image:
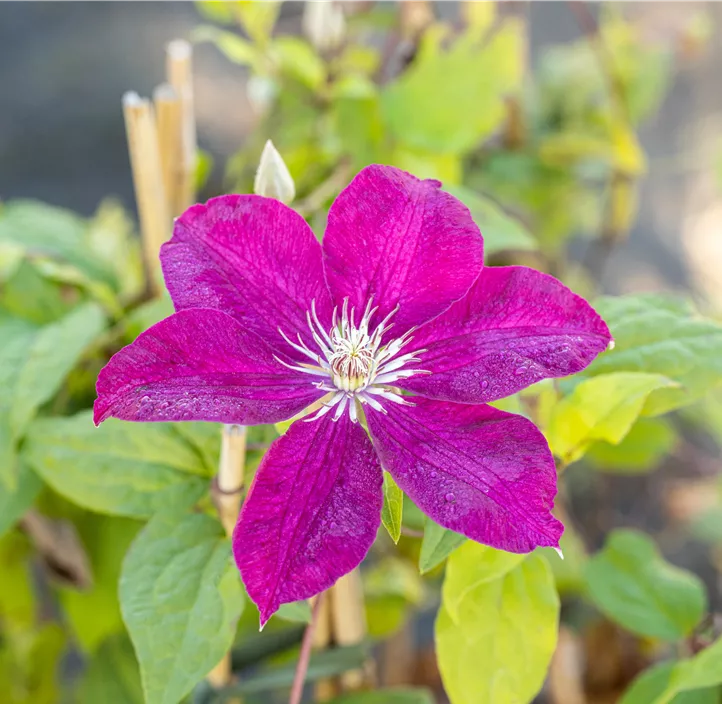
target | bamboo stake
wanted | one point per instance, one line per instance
(230, 475)
(326, 688)
(348, 620)
(221, 674)
(168, 112)
(227, 497)
(179, 54)
(148, 180)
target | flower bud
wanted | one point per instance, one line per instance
(324, 24)
(273, 179)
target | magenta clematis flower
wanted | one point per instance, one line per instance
(392, 319)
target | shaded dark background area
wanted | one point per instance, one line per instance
(64, 67)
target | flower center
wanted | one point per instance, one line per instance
(353, 363)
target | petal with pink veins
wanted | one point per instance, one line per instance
(515, 327)
(311, 514)
(402, 241)
(200, 364)
(253, 258)
(481, 472)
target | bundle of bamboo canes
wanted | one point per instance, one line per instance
(162, 145)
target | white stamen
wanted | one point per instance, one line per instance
(355, 365)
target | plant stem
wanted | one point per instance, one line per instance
(305, 655)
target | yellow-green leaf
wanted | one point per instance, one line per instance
(602, 408)
(449, 101)
(237, 49)
(469, 568)
(649, 440)
(495, 643)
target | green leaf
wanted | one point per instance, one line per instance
(356, 120)
(18, 609)
(602, 408)
(15, 502)
(296, 58)
(662, 335)
(296, 611)
(33, 365)
(257, 18)
(43, 230)
(392, 576)
(632, 584)
(434, 107)
(654, 681)
(501, 232)
(400, 695)
(124, 469)
(427, 164)
(29, 295)
(234, 47)
(113, 241)
(648, 441)
(33, 667)
(701, 671)
(145, 315)
(181, 598)
(437, 545)
(112, 676)
(393, 507)
(495, 636)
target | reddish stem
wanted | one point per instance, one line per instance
(305, 655)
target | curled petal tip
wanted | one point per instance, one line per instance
(559, 552)
(273, 179)
(611, 345)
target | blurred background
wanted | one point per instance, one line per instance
(62, 138)
(603, 166)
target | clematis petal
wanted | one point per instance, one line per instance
(473, 469)
(200, 364)
(515, 327)
(402, 241)
(311, 514)
(251, 257)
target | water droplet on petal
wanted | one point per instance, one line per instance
(450, 497)
(433, 475)
(484, 385)
(519, 371)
